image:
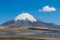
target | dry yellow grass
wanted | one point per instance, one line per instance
(54, 39)
(25, 38)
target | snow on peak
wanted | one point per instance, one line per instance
(24, 16)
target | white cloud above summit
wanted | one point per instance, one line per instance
(47, 9)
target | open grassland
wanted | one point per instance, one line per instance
(27, 38)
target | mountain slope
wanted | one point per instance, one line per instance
(26, 19)
(22, 19)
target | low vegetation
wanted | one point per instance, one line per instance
(23, 38)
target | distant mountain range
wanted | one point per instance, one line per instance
(26, 20)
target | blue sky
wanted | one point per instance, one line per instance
(11, 8)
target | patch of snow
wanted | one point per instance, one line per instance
(25, 16)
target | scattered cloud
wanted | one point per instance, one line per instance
(47, 9)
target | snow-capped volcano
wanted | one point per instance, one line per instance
(25, 16)
(21, 19)
(27, 20)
